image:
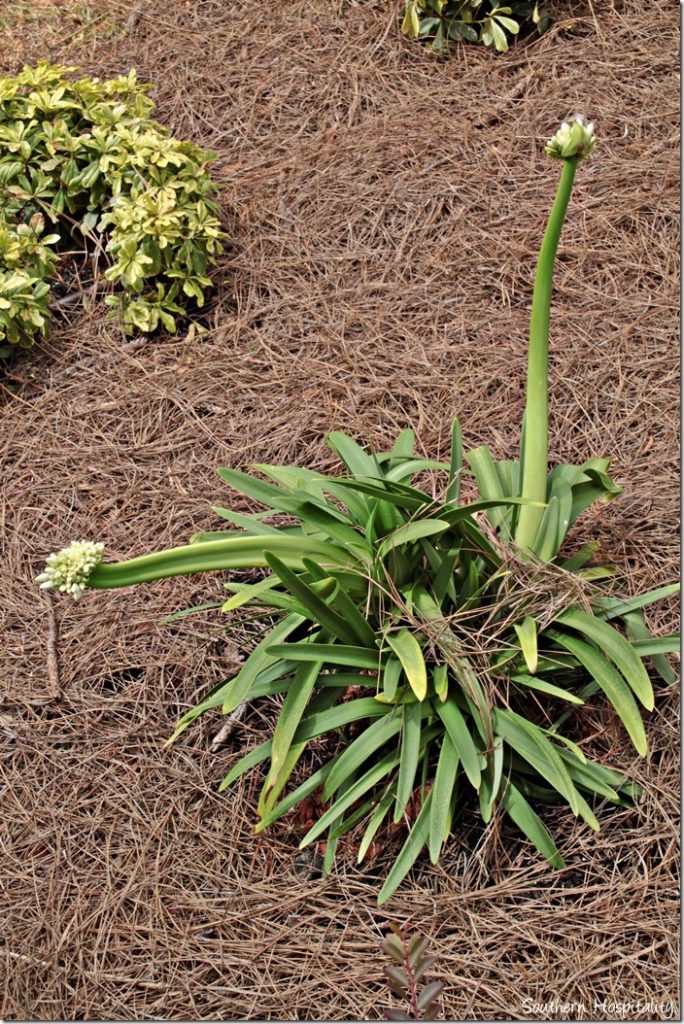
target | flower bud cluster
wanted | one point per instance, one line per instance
(574, 138)
(68, 570)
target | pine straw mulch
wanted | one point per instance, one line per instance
(386, 210)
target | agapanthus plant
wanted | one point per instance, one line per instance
(457, 636)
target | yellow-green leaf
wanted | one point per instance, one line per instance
(409, 653)
(527, 635)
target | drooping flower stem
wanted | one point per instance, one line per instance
(237, 552)
(536, 449)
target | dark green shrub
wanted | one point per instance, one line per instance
(475, 21)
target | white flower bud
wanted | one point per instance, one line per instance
(574, 138)
(68, 570)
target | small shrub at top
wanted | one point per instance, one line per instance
(475, 21)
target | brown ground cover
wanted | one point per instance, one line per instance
(385, 209)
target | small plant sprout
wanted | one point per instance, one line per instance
(457, 638)
(406, 977)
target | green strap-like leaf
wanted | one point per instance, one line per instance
(316, 607)
(371, 778)
(361, 748)
(245, 592)
(533, 746)
(458, 733)
(320, 705)
(277, 780)
(549, 536)
(344, 606)
(404, 446)
(259, 659)
(335, 718)
(307, 787)
(658, 645)
(442, 797)
(332, 654)
(265, 493)
(517, 807)
(581, 557)
(293, 708)
(456, 466)
(489, 485)
(637, 630)
(611, 607)
(357, 461)
(249, 523)
(584, 775)
(440, 681)
(491, 779)
(410, 532)
(408, 467)
(390, 678)
(619, 650)
(396, 494)
(534, 683)
(250, 760)
(408, 855)
(374, 824)
(465, 512)
(314, 518)
(410, 753)
(611, 682)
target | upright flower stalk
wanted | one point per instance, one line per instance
(573, 141)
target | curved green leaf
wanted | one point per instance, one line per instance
(374, 824)
(442, 797)
(533, 746)
(315, 606)
(517, 807)
(332, 654)
(293, 708)
(410, 752)
(361, 786)
(534, 683)
(410, 532)
(527, 635)
(408, 855)
(611, 682)
(258, 660)
(361, 748)
(458, 733)
(616, 647)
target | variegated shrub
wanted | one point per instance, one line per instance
(84, 167)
